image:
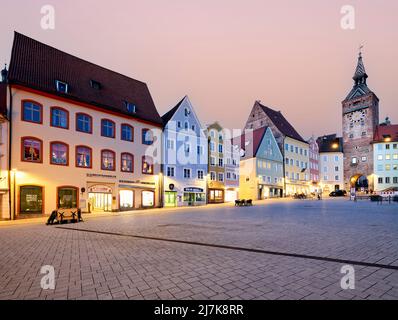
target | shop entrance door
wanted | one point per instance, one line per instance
(100, 201)
(170, 199)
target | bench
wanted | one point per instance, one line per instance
(67, 214)
(244, 203)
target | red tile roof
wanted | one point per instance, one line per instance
(281, 123)
(250, 141)
(386, 131)
(38, 66)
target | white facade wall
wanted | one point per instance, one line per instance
(385, 157)
(331, 171)
(52, 176)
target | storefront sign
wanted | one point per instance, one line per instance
(171, 186)
(91, 175)
(100, 189)
(192, 189)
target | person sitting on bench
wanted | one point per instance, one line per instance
(52, 217)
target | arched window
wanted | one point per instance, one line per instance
(127, 132)
(108, 160)
(59, 118)
(127, 162)
(84, 123)
(67, 197)
(83, 157)
(59, 153)
(107, 128)
(147, 137)
(32, 111)
(32, 149)
(31, 199)
(147, 165)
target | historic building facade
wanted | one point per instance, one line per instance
(79, 135)
(360, 119)
(261, 165)
(232, 162)
(184, 157)
(216, 171)
(294, 148)
(314, 164)
(331, 163)
(385, 157)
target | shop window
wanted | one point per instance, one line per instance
(67, 197)
(31, 199)
(127, 162)
(108, 160)
(83, 157)
(148, 198)
(59, 153)
(126, 199)
(32, 150)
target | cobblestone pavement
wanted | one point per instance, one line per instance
(107, 261)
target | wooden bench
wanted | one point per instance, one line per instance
(68, 214)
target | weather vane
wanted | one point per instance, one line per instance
(360, 49)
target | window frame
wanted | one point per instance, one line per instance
(121, 132)
(142, 165)
(91, 157)
(121, 162)
(23, 149)
(34, 102)
(90, 121)
(142, 137)
(52, 117)
(114, 159)
(114, 128)
(67, 153)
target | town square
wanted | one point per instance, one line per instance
(278, 249)
(198, 151)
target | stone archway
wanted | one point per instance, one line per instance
(360, 182)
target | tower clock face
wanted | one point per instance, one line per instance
(357, 117)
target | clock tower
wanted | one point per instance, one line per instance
(360, 118)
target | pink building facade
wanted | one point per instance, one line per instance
(314, 164)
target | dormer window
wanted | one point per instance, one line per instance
(130, 107)
(95, 84)
(62, 87)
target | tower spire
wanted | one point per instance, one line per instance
(360, 74)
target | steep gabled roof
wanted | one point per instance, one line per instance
(168, 115)
(281, 123)
(250, 141)
(330, 143)
(38, 66)
(386, 133)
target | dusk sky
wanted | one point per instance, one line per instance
(225, 54)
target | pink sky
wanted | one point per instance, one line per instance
(225, 54)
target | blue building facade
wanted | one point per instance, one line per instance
(184, 158)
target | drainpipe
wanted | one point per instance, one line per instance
(11, 216)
